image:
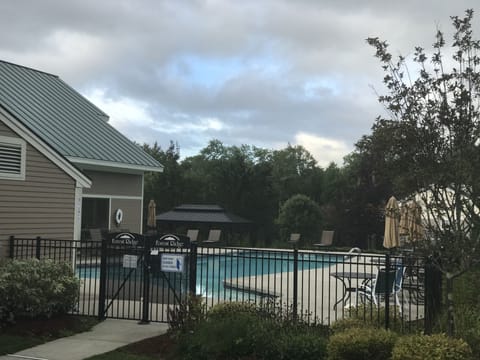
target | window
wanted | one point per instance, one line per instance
(12, 158)
(95, 215)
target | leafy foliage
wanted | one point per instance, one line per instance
(430, 143)
(243, 330)
(33, 288)
(434, 347)
(361, 344)
(300, 214)
(253, 182)
(187, 315)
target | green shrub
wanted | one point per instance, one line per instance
(348, 323)
(303, 344)
(361, 344)
(32, 288)
(187, 315)
(223, 338)
(229, 309)
(467, 325)
(433, 347)
(243, 330)
(374, 316)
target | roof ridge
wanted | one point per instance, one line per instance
(29, 68)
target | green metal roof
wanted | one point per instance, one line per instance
(65, 120)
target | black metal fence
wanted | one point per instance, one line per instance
(143, 282)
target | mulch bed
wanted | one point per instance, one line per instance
(58, 326)
(158, 347)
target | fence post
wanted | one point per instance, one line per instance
(192, 282)
(103, 280)
(37, 247)
(433, 294)
(12, 247)
(146, 280)
(387, 291)
(295, 282)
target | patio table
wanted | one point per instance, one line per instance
(346, 278)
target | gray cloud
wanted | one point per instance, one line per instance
(278, 68)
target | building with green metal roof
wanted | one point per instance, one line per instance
(56, 147)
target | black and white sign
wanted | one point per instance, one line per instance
(130, 261)
(171, 241)
(172, 262)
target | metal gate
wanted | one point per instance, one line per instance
(144, 277)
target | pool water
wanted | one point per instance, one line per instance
(214, 269)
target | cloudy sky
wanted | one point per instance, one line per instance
(259, 72)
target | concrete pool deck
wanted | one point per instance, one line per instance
(318, 292)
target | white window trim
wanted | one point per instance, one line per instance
(23, 160)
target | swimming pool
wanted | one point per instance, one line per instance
(249, 270)
(228, 274)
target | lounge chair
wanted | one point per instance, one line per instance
(380, 289)
(294, 238)
(213, 236)
(327, 238)
(192, 234)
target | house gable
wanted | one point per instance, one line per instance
(41, 204)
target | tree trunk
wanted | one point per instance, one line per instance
(450, 314)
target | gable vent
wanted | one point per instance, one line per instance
(12, 158)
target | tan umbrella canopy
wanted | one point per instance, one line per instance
(411, 222)
(404, 217)
(152, 209)
(392, 217)
(415, 227)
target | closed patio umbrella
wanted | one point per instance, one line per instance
(415, 227)
(152, 210)
(392, 217)
(404, 229)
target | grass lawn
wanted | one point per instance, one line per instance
(26, 333)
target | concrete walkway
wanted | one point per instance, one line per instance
(104, 337)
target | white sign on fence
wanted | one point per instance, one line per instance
(172, 262)
(130, 261)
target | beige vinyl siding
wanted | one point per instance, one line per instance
(41, 205)
(132, 210)
(116, 184)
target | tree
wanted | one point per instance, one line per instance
(300, 214)
(293, 168)
(433, 137)
(165, 188)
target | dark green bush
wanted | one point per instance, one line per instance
(434, 347)
(348, 323)
(361, 344)
(32, 288)
(223, 338)
(374, 316)
(304, 344)
(236, 330)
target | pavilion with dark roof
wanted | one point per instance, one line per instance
(204, 218)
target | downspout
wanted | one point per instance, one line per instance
(77, 217)
(77, 221)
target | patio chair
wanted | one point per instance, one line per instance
(327, 238)
(192, 234)
(294, 238)
(213, 236)
(380, 289)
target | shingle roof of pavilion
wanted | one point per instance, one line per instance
(193, 213)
